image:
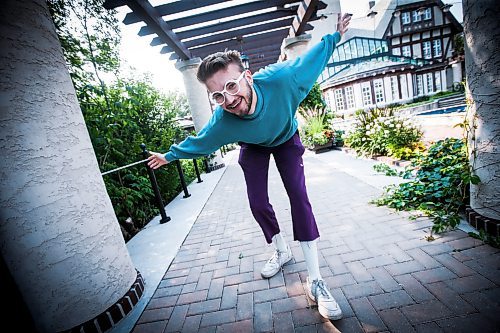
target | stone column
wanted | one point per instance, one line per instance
(457, 72)
(199, 103)
(59, 235)
(295, 46)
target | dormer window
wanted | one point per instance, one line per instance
(428, 14)
(405, 18)
(417, 17)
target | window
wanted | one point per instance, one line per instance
(394, 88)
(436, 48)
(378, 87)
(404, 86)
(349, 95)
(396, 51)
(416, 16)
(405, 18)
(437, 80)
(366, 91)
(420, 85)
(426, 48)
(339, 100)
(429, 83)
(428, 14)
(406, 51)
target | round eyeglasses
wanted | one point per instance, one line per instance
(231, 87)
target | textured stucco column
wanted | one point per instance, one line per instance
(198, 100)
(295, 46)
(482, 59)
(59, 235)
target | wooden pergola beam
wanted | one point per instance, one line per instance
(304, 13)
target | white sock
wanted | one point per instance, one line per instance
(280, 243)
(310, 250)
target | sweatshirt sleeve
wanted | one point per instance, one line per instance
(309, 66)
(204, 143)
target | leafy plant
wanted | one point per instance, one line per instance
(440, 187)
(315, 130)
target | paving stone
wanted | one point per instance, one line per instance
(188, 288)
(424, 312)
(177, 318)
(428, 328)
(216, 288)
(239, 326)
(343, 302)
(289, 304)
(270, 294)
(154, 327)
(162, 302)
(244, 307)
(396, 321)
(263, 321)
(349, 325)
(384, 279)
(362, 289)
(293, 285)
(340, 280)
(229, 297)
(226, 272)
(423, 258)
(469, 283)
(404, 267)
(282, 322)
(393, 299)
(204, 280)
(359, 271)
(160, 314)
(307, 316)
(238, 278)
(454, 265)
(247, 287)
(204, 307)
(218, 317)
(277, 281)
(193, 297)
(434, 249)
(434, 275)
(483, 304)
(381, 260)
(414, 288)
(470, 323)
(194, 274)
(451, 298)
(464, 243)
(367, 316)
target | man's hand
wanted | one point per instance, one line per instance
(342, 23)
(156, 160)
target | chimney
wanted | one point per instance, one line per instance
(371, 4)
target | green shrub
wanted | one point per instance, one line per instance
(440, 187)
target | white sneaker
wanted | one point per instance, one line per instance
(327, 306)
(274, 264)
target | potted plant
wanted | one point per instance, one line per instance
(316, 134)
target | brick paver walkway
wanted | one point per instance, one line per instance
(378, 265)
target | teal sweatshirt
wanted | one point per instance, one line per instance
(279, 88)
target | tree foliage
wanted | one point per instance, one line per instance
(120, 115)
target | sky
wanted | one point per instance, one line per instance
(136, 52)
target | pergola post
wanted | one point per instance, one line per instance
(295, 46)
(198, 101)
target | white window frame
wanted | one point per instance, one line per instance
(436, 48)
(396, 51)
(406, 18)
(366, 93)
(429, 83)
(419, 86)
(416, 16)
(427, 50)
(406, 51)
(428, 13)
(437, 81)
(394, 88)
(404, 86)
(378, 88)
(339, 99)
(349, 96)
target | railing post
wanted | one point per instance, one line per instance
(197, 170)
(154, 185)
(183, 181)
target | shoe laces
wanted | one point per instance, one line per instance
(276, 257)
(320, 287)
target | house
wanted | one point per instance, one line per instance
(402, 50)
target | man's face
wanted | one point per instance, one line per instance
(240, 103)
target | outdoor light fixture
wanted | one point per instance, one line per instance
(372, 14)
(421, 11)
(245, 60)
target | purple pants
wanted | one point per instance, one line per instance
(254, 160)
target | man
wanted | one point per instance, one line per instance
(259, 112)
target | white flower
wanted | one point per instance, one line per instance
(398, 125)
(368, 126)
(386, 132)
(363, 139)
(391, 125)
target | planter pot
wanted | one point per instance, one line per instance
(322, 148)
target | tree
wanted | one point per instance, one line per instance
(482, 65)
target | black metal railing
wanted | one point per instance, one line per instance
(154, 184)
